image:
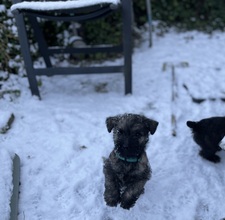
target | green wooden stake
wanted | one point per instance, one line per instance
(15, 192)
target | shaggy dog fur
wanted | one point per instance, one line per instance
(208, 134)
(127, 169)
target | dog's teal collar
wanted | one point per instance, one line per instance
(127, 159)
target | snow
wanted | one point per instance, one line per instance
(5, 183)
(62, 139)
(4, 118)
(222, 143)
(2, 8)
(50, 5)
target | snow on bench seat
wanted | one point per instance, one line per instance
(58, 5)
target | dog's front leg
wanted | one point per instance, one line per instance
(112, 188)
(132, 193)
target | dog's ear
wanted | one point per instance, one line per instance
(151, 125)
(191, 124)
(111, 123)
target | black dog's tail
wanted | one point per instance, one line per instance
(192, 124)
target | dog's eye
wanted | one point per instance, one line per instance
(120, 131)
(137, 134)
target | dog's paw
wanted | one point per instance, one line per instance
(128, 200)
(213, 158)
(127, 204)
(112, 201)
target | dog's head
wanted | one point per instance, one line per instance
(131, 133)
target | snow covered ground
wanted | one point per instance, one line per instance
(62, 139)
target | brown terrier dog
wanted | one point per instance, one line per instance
(127, 169)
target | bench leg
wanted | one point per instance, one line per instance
(25, 50)
(127, 44)
(42, 44)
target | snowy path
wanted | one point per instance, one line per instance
(61, 140)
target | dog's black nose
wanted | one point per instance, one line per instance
(126, 143)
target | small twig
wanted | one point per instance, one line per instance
(174, 97)
(15, 92)
(200, 100)
(174, 125)
(196, 100)
(8, 125)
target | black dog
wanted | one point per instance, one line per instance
(208, 134)
(127, 169)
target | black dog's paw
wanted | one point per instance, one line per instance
(127, 204)
(112, 201)
(128, 200)
(213, 158)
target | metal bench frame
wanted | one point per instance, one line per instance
(93, 12)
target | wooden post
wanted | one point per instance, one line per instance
(173, 101)
(149, 15)
(15, 192)
(174, 90)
